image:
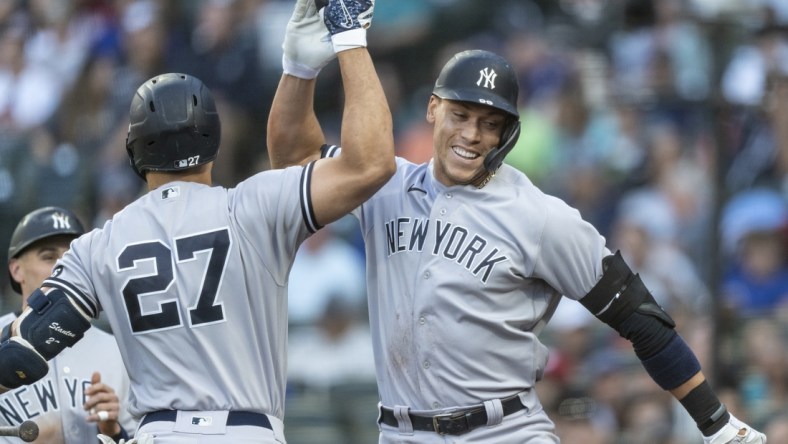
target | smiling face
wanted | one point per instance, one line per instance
(463, 134)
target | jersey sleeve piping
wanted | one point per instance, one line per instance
(306, 199)
(75, 294)
(328, 151)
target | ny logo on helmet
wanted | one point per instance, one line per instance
(487, 76)
(60, 221)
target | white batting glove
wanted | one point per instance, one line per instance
(347, 21)
(732, 433)
(307, 46)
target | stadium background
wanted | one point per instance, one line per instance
(665, 122)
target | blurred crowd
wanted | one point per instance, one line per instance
(665, 122)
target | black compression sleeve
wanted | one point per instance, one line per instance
(706, 409)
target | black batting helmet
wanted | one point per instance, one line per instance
(173, 125)
(40, 224)
(485, 78)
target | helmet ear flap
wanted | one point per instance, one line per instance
(509, 137)
(130, 153)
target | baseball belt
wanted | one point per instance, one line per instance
(234, 418)
(453, 423)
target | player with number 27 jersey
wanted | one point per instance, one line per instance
(185, 267)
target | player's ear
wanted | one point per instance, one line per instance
(431, 106)
(15, 270)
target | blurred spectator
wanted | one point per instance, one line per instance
(761, 150)
(222, 52)
(96, 106)
(534, 153)
(55, 173)
(63, 35)
(744, 81)
(573, 420)
(326, 267)
(543, 71)
(542, 65)
(764, 370)
(29, 92)
(660, 54)
(143, 41)
(672, 163)
(92, 113)
(333, 362)
(338, 342)
(683, 43)
(646, 420)
(410, 20)
(572, 337)
(753, 233)
(141, 47)
(665, 151)
(270, 19)
(645, 232)
(585, 136)
(414, 142)
(634, 47)
(688, 186)
(662, 58)
(583, 378)
(607, 375)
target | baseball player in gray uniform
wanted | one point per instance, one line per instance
(466, 262)
(192, 277)
(86, 389)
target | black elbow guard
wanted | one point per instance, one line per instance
(622, 301)
(52, 323)
(20, 364)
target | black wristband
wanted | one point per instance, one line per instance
(706, 409)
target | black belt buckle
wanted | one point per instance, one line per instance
(455, 423)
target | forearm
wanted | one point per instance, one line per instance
(294, 133)
(366, 161)
(367, 137)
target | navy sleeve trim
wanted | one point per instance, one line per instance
(328, 151)
(306, 199)
(76, 295)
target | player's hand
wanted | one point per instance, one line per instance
(347, 21)
(307, 46)
(102, 405)
(736, 432)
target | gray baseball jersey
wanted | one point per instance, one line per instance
(55, 402)
(461, 280)
(193, 280)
